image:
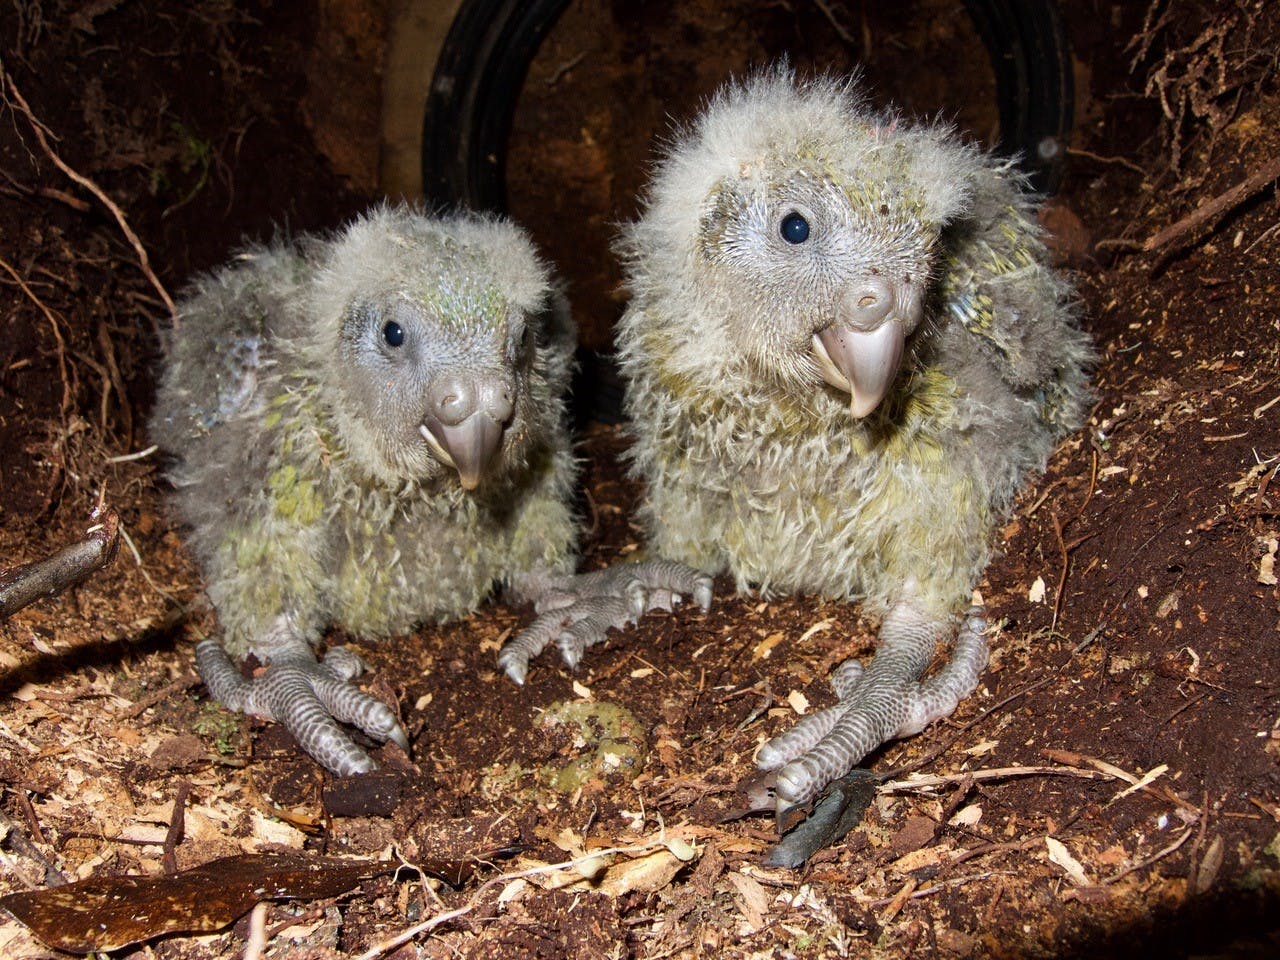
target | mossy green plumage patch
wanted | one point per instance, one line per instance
(294, 496)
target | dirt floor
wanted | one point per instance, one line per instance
(1112, 790)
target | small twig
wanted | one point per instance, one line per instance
(82, 692)
(141, 705)
(564, 68)
(1098, 158)
(177, 825)
(595, 513)
(1261, 237)
(1193, 875)
(75, 203)
(21, 844)
(137, 455)
(316, 913)
(1066, 567)
(1164, 793)
(1031, 510)
(1154, 858)
(39, 128)
(1093, 483)
(1190, 703)
(33, 821)
(1092, 636)
(1118, 243)
(937, 887)
(57, 334)
(841, 31)
(1209, 212)
(983, 849)
(896, 903)
(994, 773)
(1271, 810)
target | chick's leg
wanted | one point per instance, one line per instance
(310, 698)
(575, 612)
(876, 704)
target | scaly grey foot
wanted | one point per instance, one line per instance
(876, 704)
(575, 612)
(310, 698)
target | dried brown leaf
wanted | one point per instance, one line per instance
(107, 913)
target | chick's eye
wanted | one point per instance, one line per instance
(393, 334)
(795, 228)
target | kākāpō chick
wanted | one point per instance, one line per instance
(369, 430)
(844, 352)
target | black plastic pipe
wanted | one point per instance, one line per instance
(486, 55)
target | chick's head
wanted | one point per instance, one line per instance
(429, 336)
(801, 231)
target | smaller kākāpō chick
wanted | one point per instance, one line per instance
(368, 429)
(844, 353)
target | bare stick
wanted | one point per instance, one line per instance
(177, 827)
(1155, 858)
(71, 565)
(836, 25)
(1208, 212)
(142, 704)
(143, 260)
(995, 773)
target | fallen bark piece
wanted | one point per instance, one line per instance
(108, 913)
(72, 565)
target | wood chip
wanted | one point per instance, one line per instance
(799, 702)
(752, 900)
(764, 649)
(1059, 854)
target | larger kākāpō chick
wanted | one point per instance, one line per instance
(844, 353)
(369, 430)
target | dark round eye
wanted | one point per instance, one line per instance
(795, 228)
(393, 333)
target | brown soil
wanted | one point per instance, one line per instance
(1141, 620)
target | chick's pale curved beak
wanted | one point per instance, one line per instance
(467, 447)
(464, 424)
(862, 363)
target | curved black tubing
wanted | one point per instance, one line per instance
(478, 78)
(486, 56)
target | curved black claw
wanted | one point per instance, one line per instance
(836, 811)
(310, 699)
(577, 611)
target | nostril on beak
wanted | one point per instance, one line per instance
(869, 303)
(452, 401)
(502, 403)
(449, 407)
